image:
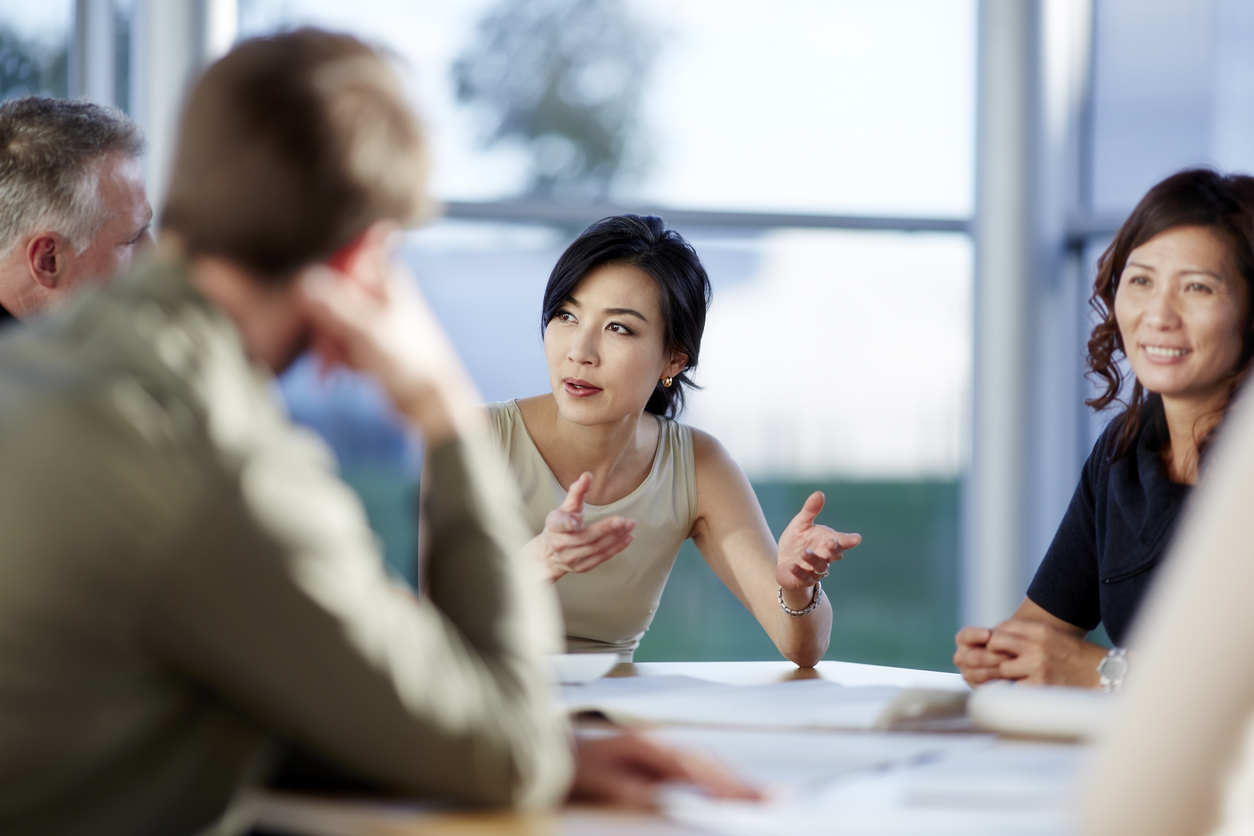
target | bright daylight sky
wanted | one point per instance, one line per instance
(804, 105)
(840, 354)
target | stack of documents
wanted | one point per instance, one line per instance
(806, 704)
(907, 785)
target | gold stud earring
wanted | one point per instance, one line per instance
(666, 381)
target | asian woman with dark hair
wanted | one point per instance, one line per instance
(1173, 296)
(613, 484)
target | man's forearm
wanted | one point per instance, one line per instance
(477, 579)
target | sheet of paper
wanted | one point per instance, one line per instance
(788, 763)
(805, 704)
(992, 790)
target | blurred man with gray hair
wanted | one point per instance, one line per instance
(72, 206)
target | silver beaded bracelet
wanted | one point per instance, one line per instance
(814, 602)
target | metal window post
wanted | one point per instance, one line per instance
(1029, 289)
(91, 68)
(994, 494)
(171, 41)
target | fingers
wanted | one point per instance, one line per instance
(578, 490)
(627, 770)
(581, 549)
(828, 544)
(1027, 668)
(973, 636)
(979, 658)
(980, 675)
(568, 531)
(848, 541)
(809, 510)
(1016, 637)
(560, 521)
(809, 568)
(1010, 644)
(974, 660)
(1025, 629)
(598, 551)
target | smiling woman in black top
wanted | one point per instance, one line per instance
(1174, 293)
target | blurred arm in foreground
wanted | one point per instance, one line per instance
(1182, 725)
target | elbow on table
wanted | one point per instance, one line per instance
(807, 654)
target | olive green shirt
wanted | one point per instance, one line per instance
(184, 581)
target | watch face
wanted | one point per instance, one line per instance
(1113, 667)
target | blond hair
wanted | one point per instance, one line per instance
(290, 147)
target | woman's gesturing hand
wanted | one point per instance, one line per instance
(806, 550)
(566, 545)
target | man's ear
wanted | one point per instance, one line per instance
(365, 259)
(47, 258)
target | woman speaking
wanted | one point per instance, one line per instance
(613, 485)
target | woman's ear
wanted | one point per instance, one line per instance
(679, 361)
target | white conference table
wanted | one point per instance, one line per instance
(314, 816)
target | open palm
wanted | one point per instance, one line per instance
(807, 550)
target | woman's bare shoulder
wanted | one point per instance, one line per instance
(708, 452)
(535, 407)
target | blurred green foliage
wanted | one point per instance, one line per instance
(894, 598)
(562, 79)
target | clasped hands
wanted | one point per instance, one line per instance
(1026, 651)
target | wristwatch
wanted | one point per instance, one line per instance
(1112, 669)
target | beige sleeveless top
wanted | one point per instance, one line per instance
(609, 608)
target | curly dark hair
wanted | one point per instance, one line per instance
(644, 242)
(1194, 197)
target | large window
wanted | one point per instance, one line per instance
(833, 359)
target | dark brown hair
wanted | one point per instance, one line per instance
(290, 147)
(1194, 197)
(644, 242)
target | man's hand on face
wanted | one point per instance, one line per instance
(375, 320)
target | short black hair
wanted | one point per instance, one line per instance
(644, 242)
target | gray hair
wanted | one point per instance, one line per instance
(50, 150)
